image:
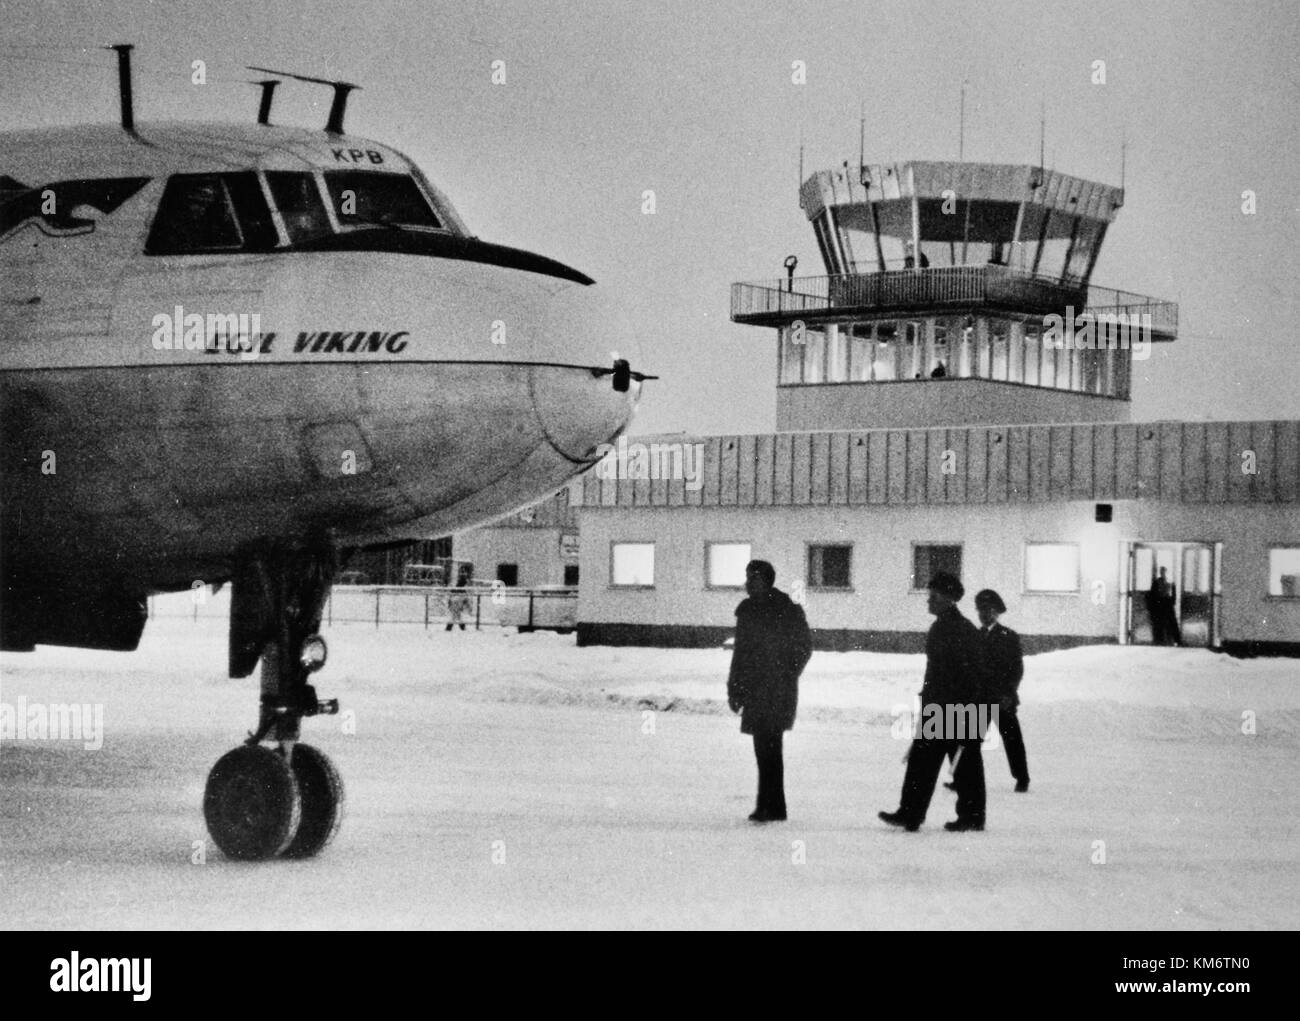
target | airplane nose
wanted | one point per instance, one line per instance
(575, 379)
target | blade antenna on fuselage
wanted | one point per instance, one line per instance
(264, 104)
(334, 125)
(123, 51)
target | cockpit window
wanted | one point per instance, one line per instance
(298, 199)
(362, 197)
(195, 215)
(211, 213)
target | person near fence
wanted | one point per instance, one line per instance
(458, 601)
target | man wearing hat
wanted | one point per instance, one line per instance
(773, 645)
(950, 698)
(1004, 667)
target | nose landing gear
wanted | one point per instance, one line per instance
(280, 797)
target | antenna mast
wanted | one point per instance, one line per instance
(961, 133)
(124, 84)
(264, 106)
(334, 125)
(862, 136)
(1042, 135)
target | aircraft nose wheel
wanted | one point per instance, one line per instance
(274, 795)
(258, 806)
(321, 789)
(252, 803)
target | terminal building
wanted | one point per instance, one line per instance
(952, 393)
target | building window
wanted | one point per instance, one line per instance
(914, 350)
(791, 357)
(1064, 360)
(814, 356)
(982, 363)
(939, 349)
(570, 575)
(886, 352)
(508, 574)
(1051, 567)
(830, 566)
(632, 564)
(930, 558)
(1016, 354)
(1284, 572)
(998, 336)
(1047, 361)
(724, 564)
(861, 344)
(837, 353)
(1033, 350)
(965, 355)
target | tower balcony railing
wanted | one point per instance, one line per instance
(778, 302)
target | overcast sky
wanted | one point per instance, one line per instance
(694, 100)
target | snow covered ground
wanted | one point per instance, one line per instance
(496, 779)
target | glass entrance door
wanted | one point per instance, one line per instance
(1172, 593)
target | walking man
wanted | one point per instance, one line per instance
(1004, 666)
(950, 723)
(773, 645)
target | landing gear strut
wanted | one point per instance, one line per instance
(273, 795)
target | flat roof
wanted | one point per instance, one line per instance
(1182, 462)
(860, 184)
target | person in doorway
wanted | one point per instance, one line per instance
(773, 645)
(1162, 606)
(1169, 608)
(1155, 614)
(951, 696)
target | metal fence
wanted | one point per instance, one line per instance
(947, 285)
(480, 607)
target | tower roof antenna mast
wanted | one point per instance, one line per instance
(961, 131)
(1042, 135)
(862, 135)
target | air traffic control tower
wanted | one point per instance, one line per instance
(954, 294)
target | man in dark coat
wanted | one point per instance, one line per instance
(1004, 666)
(773, 645)
(1164, 626)
(952, 698)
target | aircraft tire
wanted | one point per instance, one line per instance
(252, 804)
(321, 788)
